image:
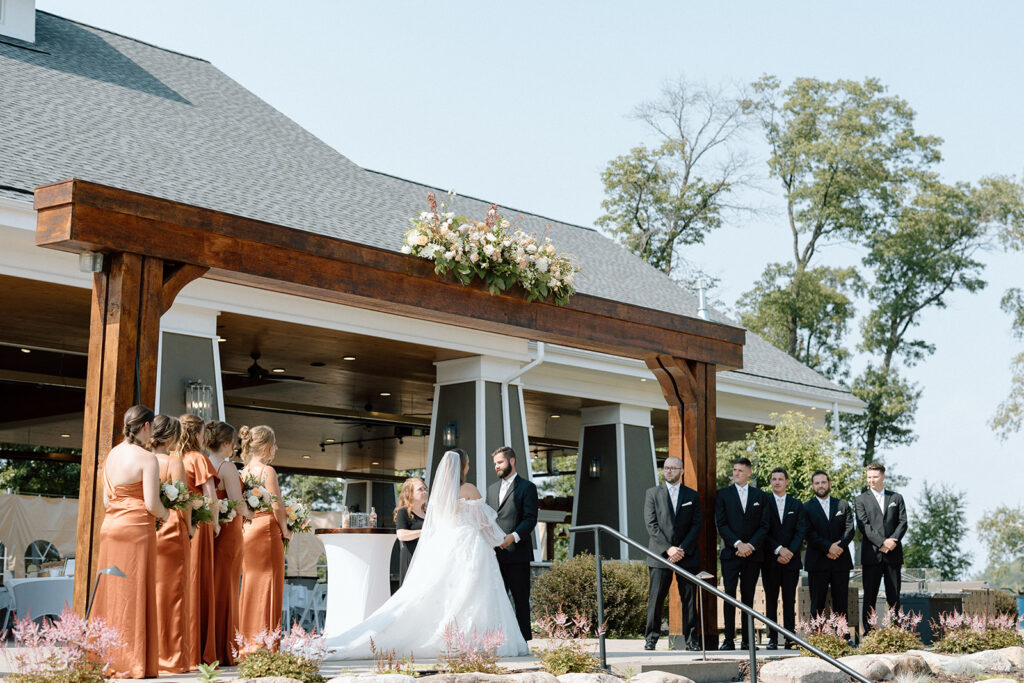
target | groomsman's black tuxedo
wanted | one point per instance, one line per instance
(822, 572)
(517, 513)
(667, 527)
(876, 526)
(787, 532)
(749, 525)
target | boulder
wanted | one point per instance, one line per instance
(869, 666)
(530, 677)
(659, 677)
(589, 678)
(1015, 655)
(991, 661)
(372, 678)
(961, 666)
(933, 660)
(800, 670)
(906, 664)
(473, 677)
(268, 679)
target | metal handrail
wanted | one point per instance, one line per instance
(701, 585)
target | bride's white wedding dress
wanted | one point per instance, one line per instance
(454, 577)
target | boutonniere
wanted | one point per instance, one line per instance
(756, 503)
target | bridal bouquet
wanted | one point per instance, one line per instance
(175, 496)
(492, 250)
(227, 509)
(202, 510)
(255, 494)
(297, 513)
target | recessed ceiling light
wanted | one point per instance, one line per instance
(65, 436)
(306, 457)
(555, 417)
(26, 350)
(385, 393)
(328, 440)
(643, 379)
(813, 408)
(221, 340)
(374, 463)
(278, 370)
(318, 364)
(349, 358)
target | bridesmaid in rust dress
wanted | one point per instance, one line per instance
(131, 496)
(227, 547)
(263, 560)
(200, 478)
(172, 556)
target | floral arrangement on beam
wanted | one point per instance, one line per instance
(493, 250)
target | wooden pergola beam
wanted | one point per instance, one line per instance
(77, 216)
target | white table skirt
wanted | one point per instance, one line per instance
(358, 574)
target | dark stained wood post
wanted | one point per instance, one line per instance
(128, 298)
(689, 389)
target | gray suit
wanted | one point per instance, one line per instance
(669, 527)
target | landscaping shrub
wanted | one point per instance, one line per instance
(69, 650)
(966, 633)
(296, 654)
(473, 652)
(571, 587)
(894, 633)
(828, 634)
(565, 652)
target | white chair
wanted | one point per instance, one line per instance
(294, 599)
(317, 604)
(41, 598)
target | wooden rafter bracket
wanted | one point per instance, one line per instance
(77, 215)
(676, 377)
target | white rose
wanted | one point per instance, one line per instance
(488, 249)
(171, 492)
(406, 249)
(413, 238)
(197, 503)
(542, 264)
(531, 249)
(253, 502)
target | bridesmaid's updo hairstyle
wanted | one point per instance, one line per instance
(219, 433)
(191, 434)
(166, 430)
(255, 441)
(135, 418)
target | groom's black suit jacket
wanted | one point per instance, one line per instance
(517, 513)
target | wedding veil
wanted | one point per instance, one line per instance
(443, 505)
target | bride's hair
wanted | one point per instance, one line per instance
(463, 459)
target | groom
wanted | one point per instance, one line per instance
(515, 499)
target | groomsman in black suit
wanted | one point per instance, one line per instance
(741, 513)
(672, 515)
(781, 570)
(515, 499)
(882, 520)
(827, 560)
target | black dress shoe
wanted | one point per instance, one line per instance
(693, 647)
(727, 645)
(650, 643)
(743, 645)
(772, 646)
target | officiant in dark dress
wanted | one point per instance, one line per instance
(409, 515)
(515, 500)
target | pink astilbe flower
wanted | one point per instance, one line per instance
(895, 618)
(832, 625)
(307, 645)
(67, 644)
(470, 652)
(264, 639)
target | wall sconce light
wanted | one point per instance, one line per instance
(199, 399)
(595, 467)
(450, 434)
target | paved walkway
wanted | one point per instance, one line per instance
(624, 657)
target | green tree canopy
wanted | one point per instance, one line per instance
(800, 446)
(43, 477)
(1002, 532)
(938, 526)
(661, 198)
(321, 493)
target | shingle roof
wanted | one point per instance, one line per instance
(83, 102)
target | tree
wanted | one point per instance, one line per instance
(1009, 417)
(938, 525)
(659, 199)
(918, 258)
(840, 151)
(891, 405)
(42, 477)
(810, 307)
(321, 493)
(800, 446)
(1002, 531)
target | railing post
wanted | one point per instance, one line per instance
(752, 646)
(600, 600)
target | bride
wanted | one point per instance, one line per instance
(454, 577)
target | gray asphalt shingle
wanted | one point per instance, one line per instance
(83, 102)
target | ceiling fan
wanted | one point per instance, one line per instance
(256, 375)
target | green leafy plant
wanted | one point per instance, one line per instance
(492, 250)
(829, 634)
(962, 633)
(565, 652)
(389, 662)
(208, 672)
(297, 654)
(895, 632)
(474, 652)
(571, 587)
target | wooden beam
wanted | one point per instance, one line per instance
(689, 389)
(76, 216)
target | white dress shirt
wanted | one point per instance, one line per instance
(504, 491)
(825, 503)
(780, 503)
(673, 495)
(742, 491)
(880, 499)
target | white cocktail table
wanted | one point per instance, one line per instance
(358, 574)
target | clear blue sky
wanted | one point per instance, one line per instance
(523, 104)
